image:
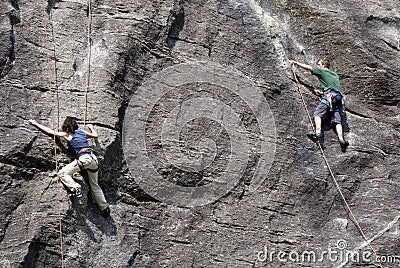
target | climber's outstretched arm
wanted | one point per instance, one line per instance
(302, 65)
(47, 130)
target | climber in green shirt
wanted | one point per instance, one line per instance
(331, 103)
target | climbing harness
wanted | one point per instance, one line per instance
(81, 165)
(332, 99)
(84, 150)
(331, 172)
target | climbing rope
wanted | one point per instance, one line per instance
(310, 94)
(55, 69)
(53, 121)
(50, 85)
(331, 172)
(88, 50)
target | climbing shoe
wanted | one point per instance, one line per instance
(105, 212)
(343, 145)
(78, 193)
(77, 196)
(314, 136)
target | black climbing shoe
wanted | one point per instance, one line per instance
(105, 212)
(77, 196)
(78, 193)
(343, 145)
(314, 136)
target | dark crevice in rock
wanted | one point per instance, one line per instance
(52, 4)
(14, 14)
(176, 21)
(43, 250)
(277, 211)
(9, 126)
(382, 19)
(105, 126)
(6, 223)
(121, 114)
(391, 45)
(39, 89)
(331, 206)
(28, 147)
(131, 261)
(8, 60)
(31, 259)
(357, 113)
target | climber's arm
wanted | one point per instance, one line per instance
(47, 130)
(93, 133)
(302, 65)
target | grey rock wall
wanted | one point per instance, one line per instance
(43, 68)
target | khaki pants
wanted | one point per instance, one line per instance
(89, 161)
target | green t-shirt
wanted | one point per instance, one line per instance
(328, 79)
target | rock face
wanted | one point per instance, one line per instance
(44, 65)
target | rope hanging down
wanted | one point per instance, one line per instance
(331, 172)
(50, 84)
(53, 119)
(88, 50)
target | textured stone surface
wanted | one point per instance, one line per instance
(43, 70)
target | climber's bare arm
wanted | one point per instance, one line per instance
(302, 65)
(47, 130)
(92, 134)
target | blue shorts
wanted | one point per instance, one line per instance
(325, 114)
